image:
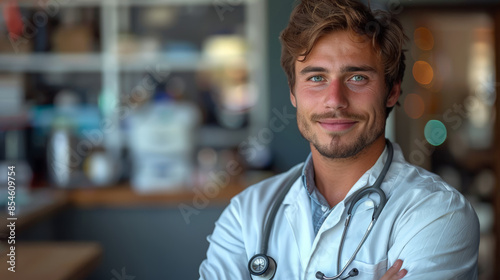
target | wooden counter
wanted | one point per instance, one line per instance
(52, 260)
(124, 195)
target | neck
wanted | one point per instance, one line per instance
(335, 177)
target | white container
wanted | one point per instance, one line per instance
(162, 141)
(164, 128)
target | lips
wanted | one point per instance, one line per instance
(336, 125)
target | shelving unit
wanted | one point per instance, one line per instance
(109, 62)
(114, 19)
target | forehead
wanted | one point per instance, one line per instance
(341, 48)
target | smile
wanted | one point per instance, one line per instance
(336, 125)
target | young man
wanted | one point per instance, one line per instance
(344, 66)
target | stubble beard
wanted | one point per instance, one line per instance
(335, 149)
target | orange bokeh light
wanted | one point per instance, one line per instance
(423, 38)
(422, 72)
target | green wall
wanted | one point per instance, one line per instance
(288, 146)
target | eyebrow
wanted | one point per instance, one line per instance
(362, 68)
(345, 69)
(310, 69)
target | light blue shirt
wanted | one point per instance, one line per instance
(320, 208)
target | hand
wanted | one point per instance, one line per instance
(394, 273)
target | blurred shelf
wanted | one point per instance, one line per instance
(55, 5)
(115, 18)
(52, 260)
(171, 62)
(46, 62)
(90, 3)
(183, 2)
(49, 62)
(124, 196)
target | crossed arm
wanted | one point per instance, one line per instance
(435, 243)
(395, 272)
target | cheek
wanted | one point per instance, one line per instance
(364, 97)
(371, 104)
(304, 99)
(312, 88)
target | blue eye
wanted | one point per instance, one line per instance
(358, 78)
(316, 79)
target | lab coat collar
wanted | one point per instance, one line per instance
(297, 207)
(367, 179)
(298, 214)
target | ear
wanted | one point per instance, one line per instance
(293, 100)
(394, 94)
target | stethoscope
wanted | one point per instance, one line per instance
(264, 267)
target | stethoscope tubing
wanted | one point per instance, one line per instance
(375, 188)
(274, 210)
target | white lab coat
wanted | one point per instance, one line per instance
(426, 223)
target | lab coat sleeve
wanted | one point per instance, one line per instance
(437, 237)
(226, 257)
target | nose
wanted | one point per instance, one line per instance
(335, 96)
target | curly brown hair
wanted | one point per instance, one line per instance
(311, 19)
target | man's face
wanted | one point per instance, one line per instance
(341, 96)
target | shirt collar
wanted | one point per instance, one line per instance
(310, 184)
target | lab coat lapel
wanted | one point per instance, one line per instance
(298, 213)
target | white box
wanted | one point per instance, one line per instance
(165, 129)
(160, 173)
(162, 141)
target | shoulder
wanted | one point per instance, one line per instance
(417, 183)
(248, 209)
(423, 198)
(264, 193)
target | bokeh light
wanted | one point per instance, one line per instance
(423, 38)
(422, 72)
(414, 106)
(435, 132)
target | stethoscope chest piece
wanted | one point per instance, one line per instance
(262, 266)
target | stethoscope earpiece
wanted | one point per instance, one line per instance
(262, 266)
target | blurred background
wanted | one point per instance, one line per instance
(130, 124)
